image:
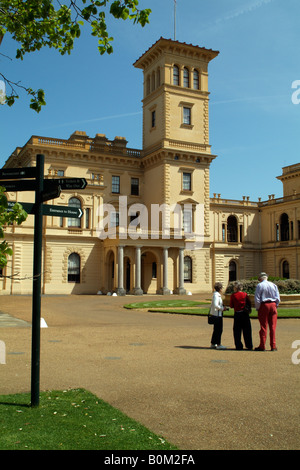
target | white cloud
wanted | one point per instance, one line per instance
(86, 121)
(247, 8)
(260, 99)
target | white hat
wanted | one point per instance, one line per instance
(262, 275)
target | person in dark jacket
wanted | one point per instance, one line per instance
(239, 301)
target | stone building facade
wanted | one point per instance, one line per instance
(149, 224)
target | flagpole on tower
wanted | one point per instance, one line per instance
(174, 20)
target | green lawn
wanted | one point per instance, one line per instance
(191, 307)
(71, 420)
(166, 303)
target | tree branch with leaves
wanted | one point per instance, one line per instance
(35, 24)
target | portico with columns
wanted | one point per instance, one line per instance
(140, 269)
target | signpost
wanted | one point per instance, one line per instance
(44, 191)
(54, 211)
(71, 183)
(19, 185)
(62, 211)
(36, 285)
(27, 206)
(27, 172)
(52, 190)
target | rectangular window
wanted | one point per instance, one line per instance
(60, 173)
(175, 75)
(134, 186)
(187, 221)
(187, 181)
(154, 270)
(187, 269)
(153, 119)
(186, 77)
(114, 219)
(87, 217)
(277, 232)
(241, 233)
(187, 116)
(115, 186)
(196, 80)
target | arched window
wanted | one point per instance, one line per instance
(232, 271)
(286, 269)
(284, 227)
(232, 231)
(74, 202)
(186, 77)
(175, 75)
(196, 79)
(74, 268)
(187, 269)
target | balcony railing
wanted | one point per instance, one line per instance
(87, 144)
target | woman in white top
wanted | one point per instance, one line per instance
(216, 310)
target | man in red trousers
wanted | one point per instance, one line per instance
(266, 300)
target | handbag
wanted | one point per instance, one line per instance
(247, 309)
(210, 318)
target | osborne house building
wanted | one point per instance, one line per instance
(148, 223)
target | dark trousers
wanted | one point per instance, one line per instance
(242, 323)
(217, 331)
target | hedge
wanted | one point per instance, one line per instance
(285, 286)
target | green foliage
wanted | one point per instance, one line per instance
(178, 307)
(16, 214)
(35, 24)
(285, 286)
(249, 286)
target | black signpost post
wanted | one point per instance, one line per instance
(36, 285)
(44, 191)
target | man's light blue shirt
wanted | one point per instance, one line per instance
(266, 291)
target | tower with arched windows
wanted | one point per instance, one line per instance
(175, 98)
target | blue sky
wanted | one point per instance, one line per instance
(254, 125)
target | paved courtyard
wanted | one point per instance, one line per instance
(158, 369)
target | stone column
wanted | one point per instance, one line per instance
(181, 290)
(137, 289)
(165, 290)
(120, 288)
